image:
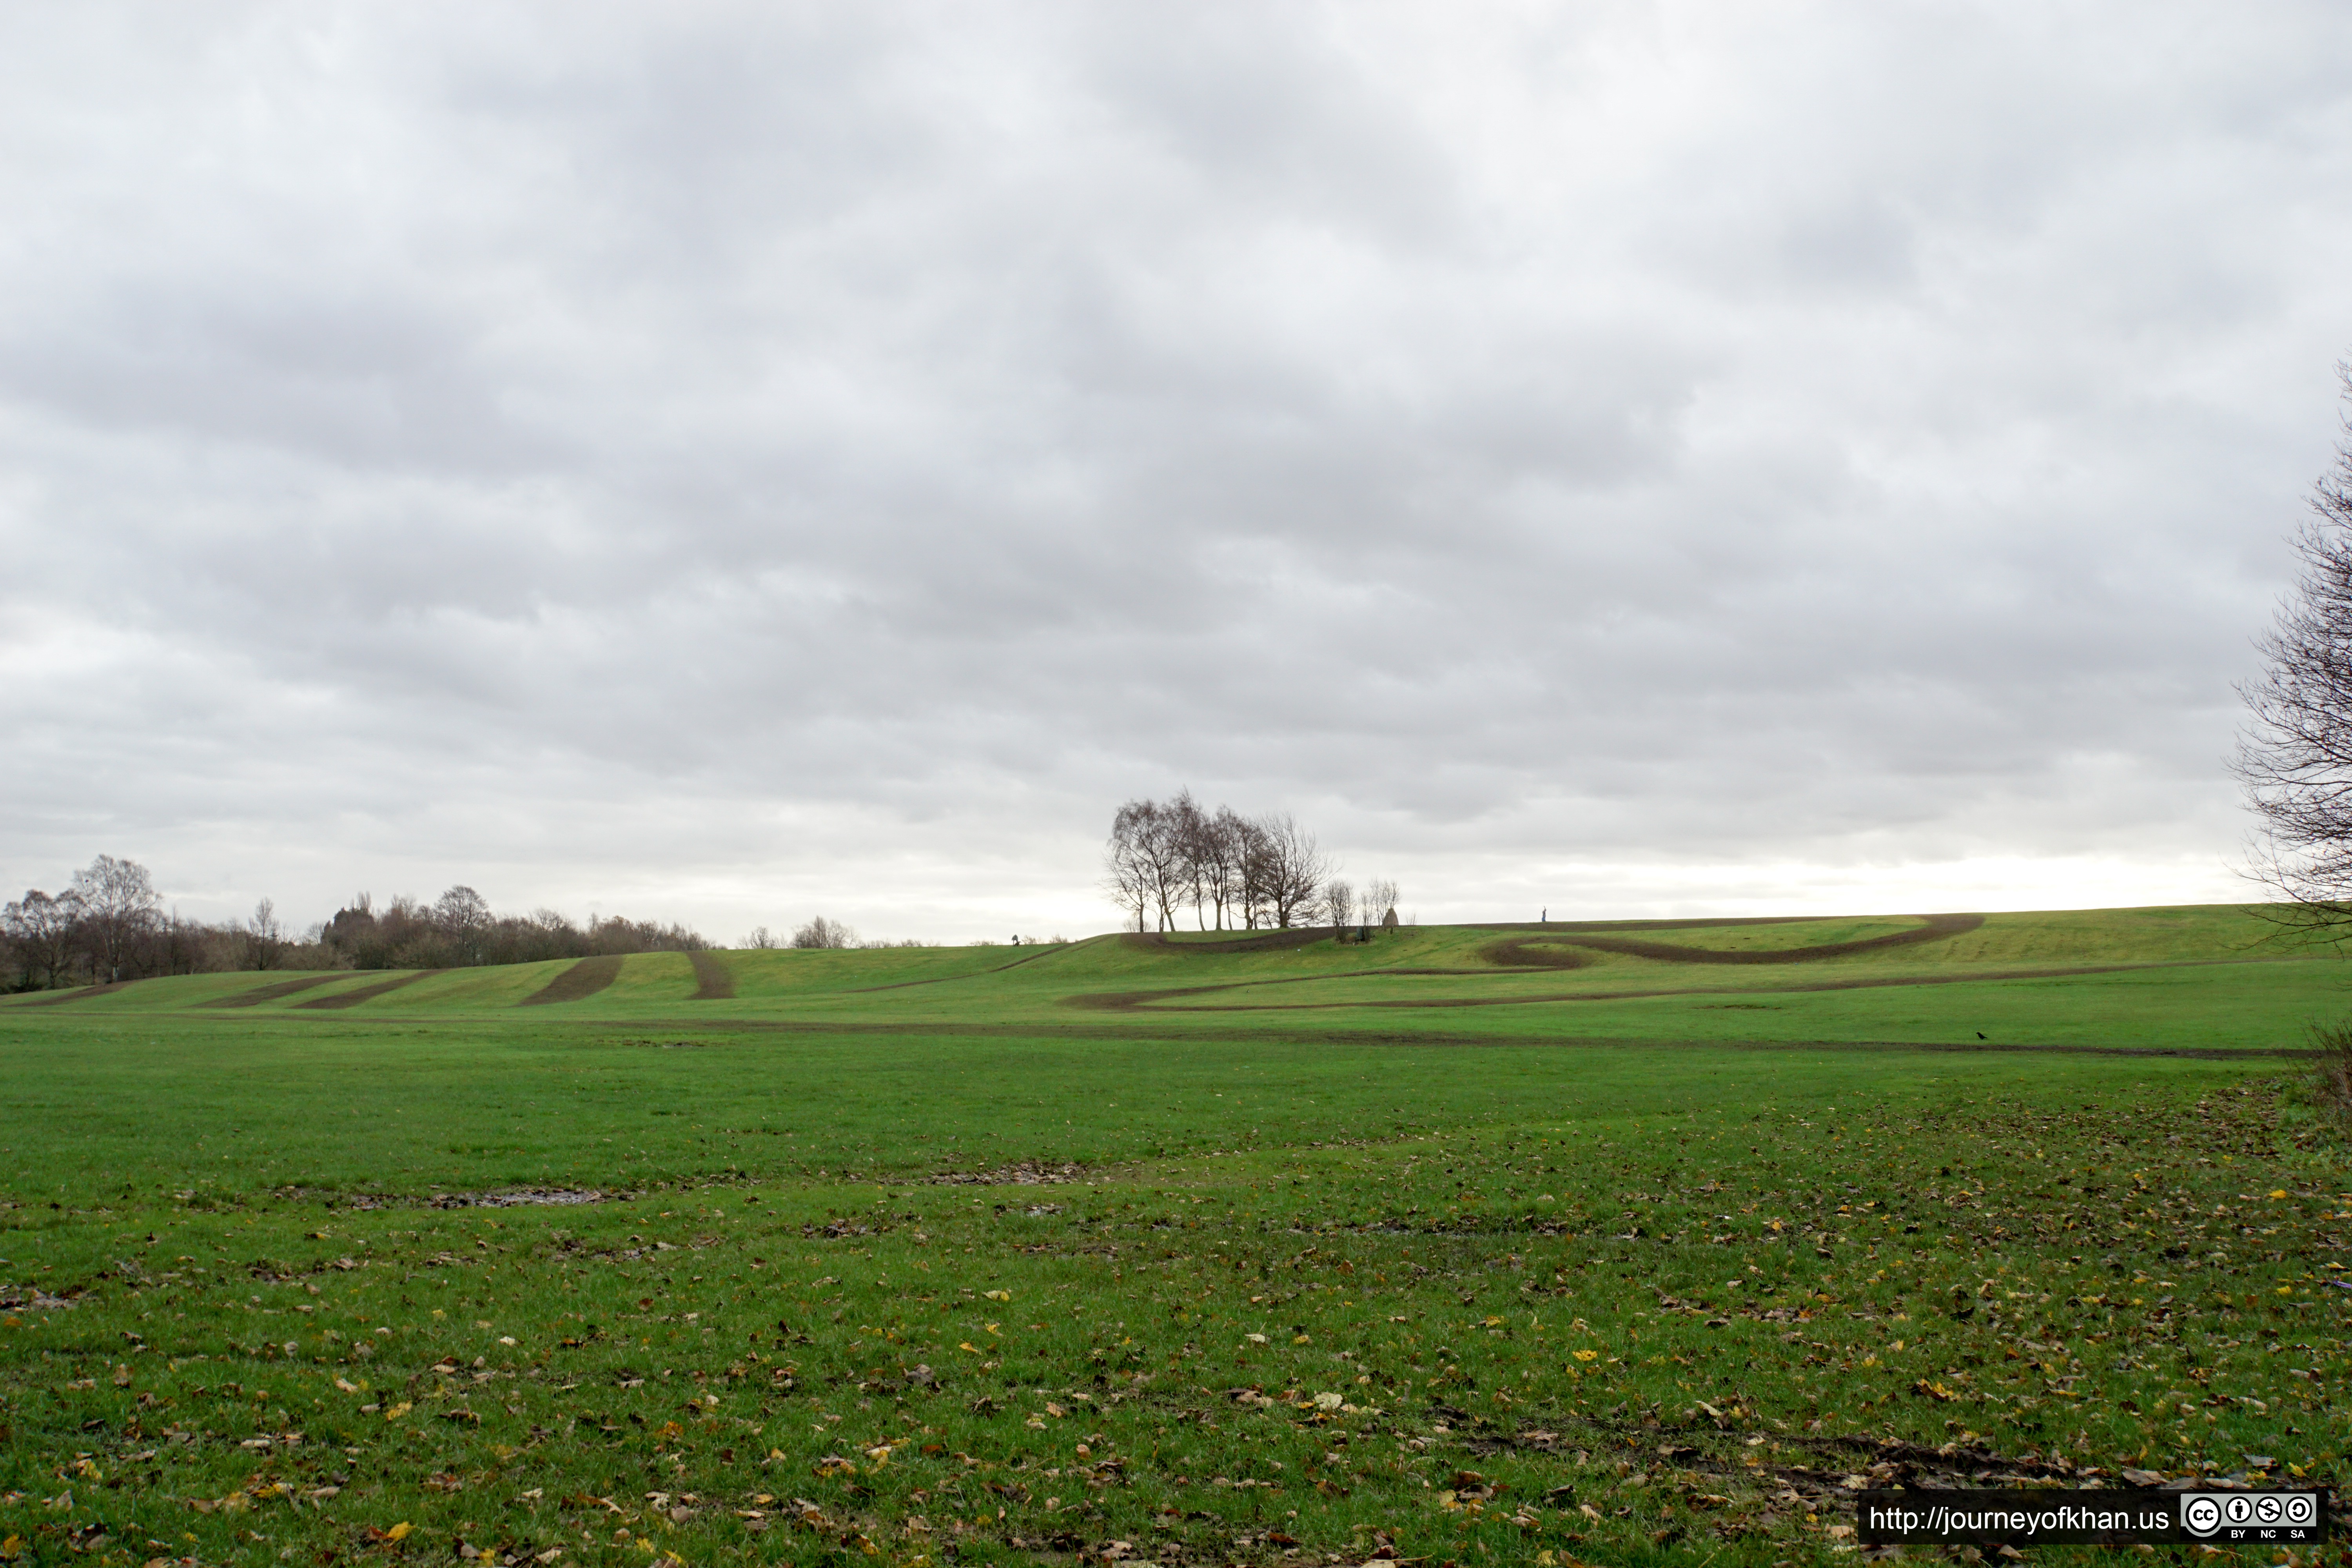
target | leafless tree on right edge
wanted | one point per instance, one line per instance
(2294, 757)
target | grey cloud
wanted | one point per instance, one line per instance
(752, 458)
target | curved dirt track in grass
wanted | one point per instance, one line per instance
(1163, 1000)
(582, 980)
(1121, 1001)
(1553, 947)
(1138, 1001)
(1535, 952)
(370, 993)
(1526, 951)
(270, 992)
(713, 980)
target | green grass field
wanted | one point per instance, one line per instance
(1622, 1243)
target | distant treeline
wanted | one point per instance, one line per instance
(110, 925)
(458, 930)
(822, 932)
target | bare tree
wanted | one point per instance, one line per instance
(1189, 830)
(1224, 839)
(1339, 904)
(1381, 902)
(1289, 866)
(462, 917)
(41, 930)
(760, 937)
(822, 932)
(1258, 862)
(1144, 862)
(1126, 871)
(119, 909)
(178, 946)
(2294, 757)
(265, 939)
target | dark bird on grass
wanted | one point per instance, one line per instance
(1979, 1034)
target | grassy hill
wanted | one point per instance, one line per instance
(2195, 978)
(1615, 1241)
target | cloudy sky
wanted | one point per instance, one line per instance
(734, 462)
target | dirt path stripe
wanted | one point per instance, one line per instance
(370, 993)
(1137, 1001)
(270, 992)
(1933, 928)
(713, 980)
(85, 992)
(583, 979)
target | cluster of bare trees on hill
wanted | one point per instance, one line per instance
(821, 932)
(831, 934)
(1230, 871)
(110, 925)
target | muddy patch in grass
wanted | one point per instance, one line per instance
(523, 1197)
(1026, 1174)
(507, 1198)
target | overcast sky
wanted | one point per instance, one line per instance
(731, 463)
